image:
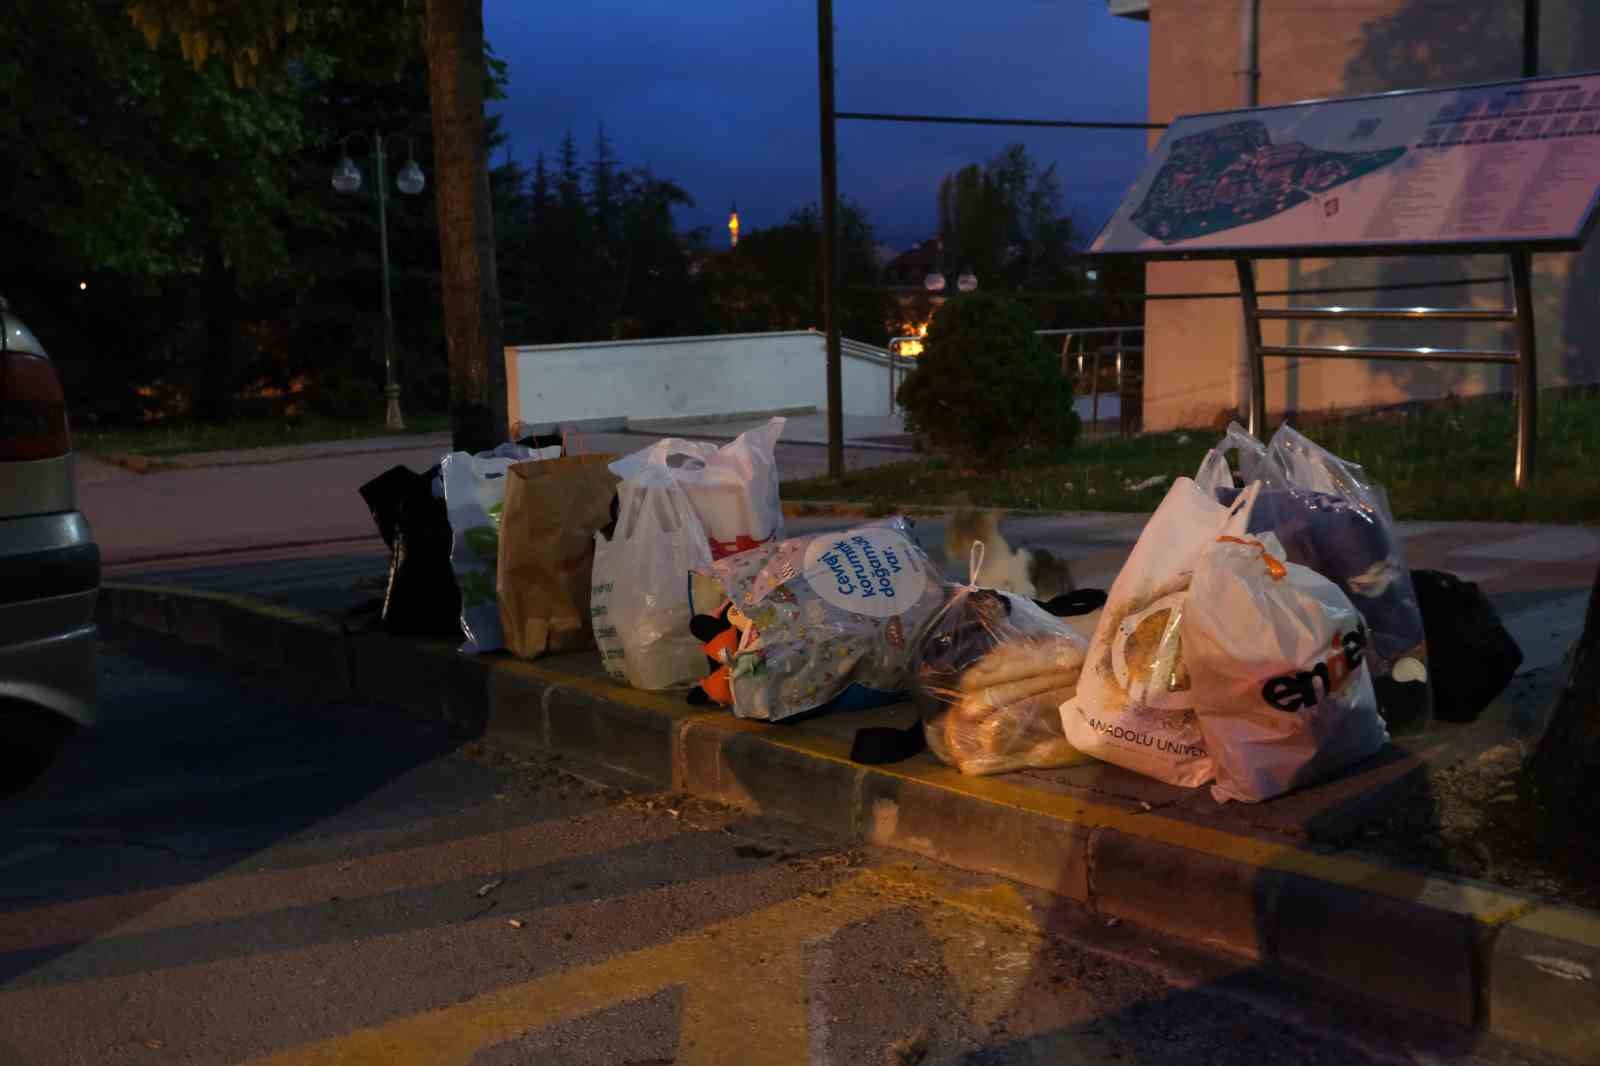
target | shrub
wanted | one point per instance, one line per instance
(986, 388)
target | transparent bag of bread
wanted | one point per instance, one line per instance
(1279, 660)
(1133, 705)
(989, 675)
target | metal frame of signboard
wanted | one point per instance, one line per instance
(1523, 355)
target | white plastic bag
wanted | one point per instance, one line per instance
(1331, 516)
(734, 488)
(640, 596)
(1134, 707)
(474, 497)
(1278, 667)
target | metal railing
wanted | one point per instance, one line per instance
(1076, 344)
(1522, 355)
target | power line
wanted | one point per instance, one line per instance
(872, 116)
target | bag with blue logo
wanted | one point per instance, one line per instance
(831, 621)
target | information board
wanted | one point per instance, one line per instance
(1512, 163)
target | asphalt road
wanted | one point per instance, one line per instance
(227, 872)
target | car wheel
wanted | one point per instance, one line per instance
(29, 742)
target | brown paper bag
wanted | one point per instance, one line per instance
(552, 510)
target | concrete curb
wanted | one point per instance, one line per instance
(1462, 951)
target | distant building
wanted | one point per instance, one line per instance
(904, 273)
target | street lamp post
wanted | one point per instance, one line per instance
(347, 179)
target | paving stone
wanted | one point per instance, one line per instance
(1544, 982)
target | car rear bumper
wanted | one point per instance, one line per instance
(49, 578)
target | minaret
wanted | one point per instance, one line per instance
(733, 226)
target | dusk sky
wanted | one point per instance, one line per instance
(721, 96)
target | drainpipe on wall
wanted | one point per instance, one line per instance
(1250, 52)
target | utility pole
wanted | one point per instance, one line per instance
(830, 239)
(1530, 38)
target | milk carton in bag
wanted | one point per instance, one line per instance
(733, 488)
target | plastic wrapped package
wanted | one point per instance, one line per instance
(1278, 665)
(991, 674)
(1330, 516)
(832, 620)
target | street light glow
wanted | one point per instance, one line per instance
(410, 180)
(346, 176)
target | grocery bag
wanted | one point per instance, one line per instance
(474, 497)
(990, 675)
(1134, 706)
(733, 489)
(1277, 659)
(639, 598)
(420, 597)
(546, 557)
(1330, 516)
(829, 621)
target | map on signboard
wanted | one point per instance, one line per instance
(1235, 175)
(1516, 162)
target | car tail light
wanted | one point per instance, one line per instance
(33, 411)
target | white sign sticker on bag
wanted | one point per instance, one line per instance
(865, 571)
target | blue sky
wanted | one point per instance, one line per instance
(721, 96)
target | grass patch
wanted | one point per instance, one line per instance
(165, 438)
(1450, 462)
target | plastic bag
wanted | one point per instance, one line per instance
(545, 576)
(990, 675)
(1330, 516)
(1278, 667)
(1134, 706)
(639, 598)
(420, 598)
(734, 488)
(474, 497)
(834, 619)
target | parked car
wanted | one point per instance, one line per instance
(49, 566)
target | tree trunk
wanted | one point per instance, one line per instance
(471, 288)
(1565, 769)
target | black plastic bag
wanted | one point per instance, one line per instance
(421, 597)
(1471, 655)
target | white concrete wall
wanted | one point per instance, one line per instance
(609, 383)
